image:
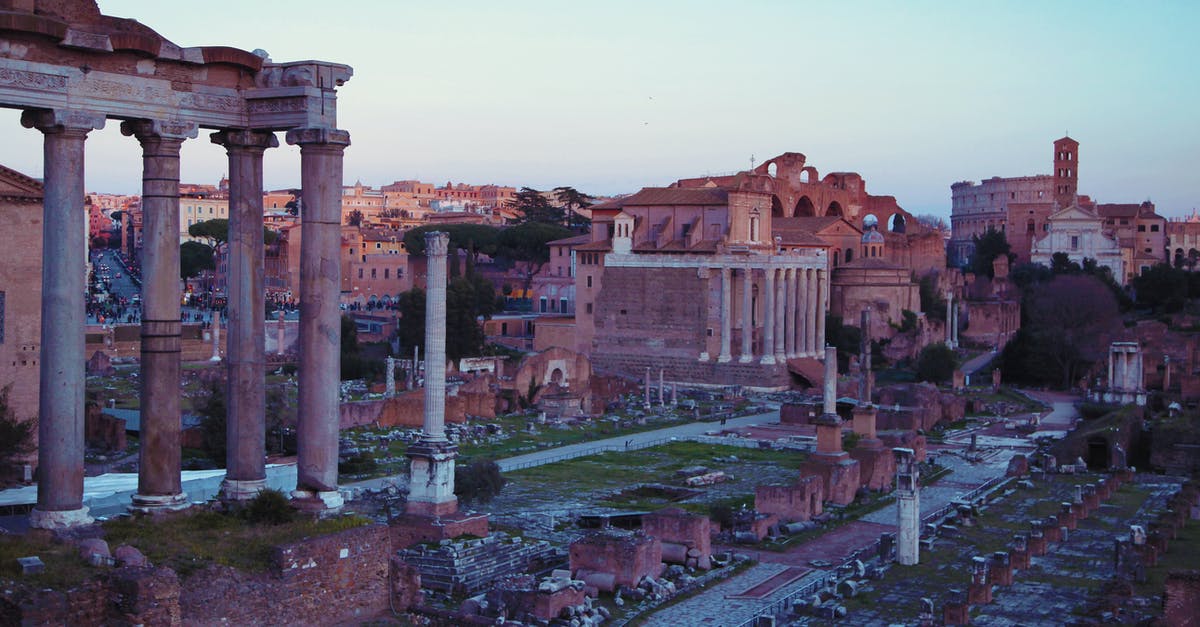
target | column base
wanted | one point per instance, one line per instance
(767, 360)
(237, 490)
(317, 501)
(60, 519)
(704, 356)
(745, 359)
(149, 503)
(215, 358)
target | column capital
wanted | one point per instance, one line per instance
(243, 139)
(437, 243)
(176, 130)
(330, 137)
(62, 120)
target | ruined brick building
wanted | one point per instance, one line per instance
(21, 290)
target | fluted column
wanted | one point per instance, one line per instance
(60, 395)
(436, 250)
(159, 483)
(321, 152)
(780, 315)
(810, 334)
(726, 314)
(829, 393)
(789, 323)
(747, 316)
(431, 468)
(245, 352)
(950, 319)
(768, 356)
(822, 304)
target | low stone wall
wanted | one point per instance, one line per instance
(330, 580)
(697, 372)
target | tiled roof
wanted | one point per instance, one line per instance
(672, 196)
(601, 246)
(571, 241)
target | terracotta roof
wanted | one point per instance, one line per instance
(571, 241)
(1118, 210)
(672, 196)
(602, 246)
(15, 185)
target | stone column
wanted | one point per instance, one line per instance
(780, 316)
(646, 390)
(950, 319)
(806, 332)
(830, 389)
(954, 327)
(908, 507)
(747, 316)
(789, 320)
(159, 484)
(61, 391)
(864, 358)
(822, 304)
(726, 314)
(390, 375)
(662, 390)
(768, 350)
(216, 335)
(246, 362)
(320, 319)
(1112, 358)
(279, 334)
(431, 482)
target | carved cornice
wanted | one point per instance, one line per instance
(437, 243)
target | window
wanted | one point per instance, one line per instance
(589, 308)
(1141, 228)
(562, 305)
(372, 273)
(1149, 250)
(589, 280)
(385, 272)
(1074, 242)
(1124, 222)
(542, 304)
(360, 273)
(1153, 228)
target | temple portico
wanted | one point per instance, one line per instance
(77, 68)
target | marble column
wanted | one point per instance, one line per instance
(431, 475)
(726, 315)
(829, 395)
(789, 325)
(279, 334)
(768, 351)
(780, 316)
(61, 391)
(390, 377)
(1112, 357)
(159, 483)
(908, 507)
(747, 316)
(245, 352)
(950, 319)
(814, 305)
(321, 152)
(804, 342)
(822, 277)
(216, 334)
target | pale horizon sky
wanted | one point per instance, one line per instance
(614, 96)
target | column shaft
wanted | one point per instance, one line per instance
(320, 319)
(726, 314)
(768, 350)
(747, 316)
(245, 350)
(780, 315)
(789, 325)
(436, 249)
(61, 391)
(822, 280)
(160, 460)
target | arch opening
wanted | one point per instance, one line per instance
(835, 209)
(804, 208)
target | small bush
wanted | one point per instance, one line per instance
(270, 507)
(1092, 411)
(358, 465)
(478, 482)
(936, 363)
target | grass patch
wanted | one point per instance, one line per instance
(189, 542)
(64, 568)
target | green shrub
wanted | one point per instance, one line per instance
(270, 507)
(936, 363)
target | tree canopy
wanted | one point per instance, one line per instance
(194, 258)
(216, 231)
(988, 246)
(535, 207)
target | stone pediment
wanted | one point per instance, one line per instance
(13, 184)
(1073, 213)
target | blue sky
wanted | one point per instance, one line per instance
(612, 96)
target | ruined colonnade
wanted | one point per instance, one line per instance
(788, 312)
(76, 70)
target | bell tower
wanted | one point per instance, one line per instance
(1066, 171)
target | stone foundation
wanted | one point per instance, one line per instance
(693, 371)
(839, 475)
(470, 566)
(877, 464)
(800, 501)
(677, 528)
(1181, 598)
(622, 557)
(407, 529)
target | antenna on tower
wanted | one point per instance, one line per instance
(751, 162)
